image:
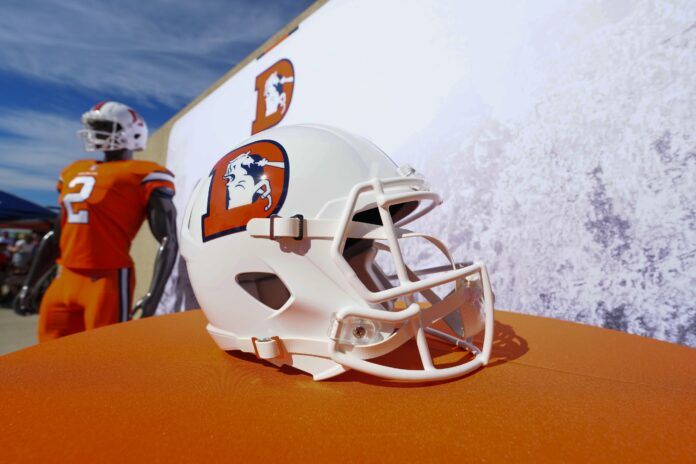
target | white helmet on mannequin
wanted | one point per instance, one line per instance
(290, 243)
(111, 126)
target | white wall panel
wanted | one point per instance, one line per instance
(561, 134)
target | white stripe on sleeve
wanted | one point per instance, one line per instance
(158, 176)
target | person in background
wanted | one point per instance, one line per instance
(35, 240)
(5, 239)
(103, 204)
(4, 255)
(4, 269)
(21, 254)
(4, 261)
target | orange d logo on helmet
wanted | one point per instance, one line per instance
(249, 182)
(274, 89)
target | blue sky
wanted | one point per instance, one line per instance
(59, 58)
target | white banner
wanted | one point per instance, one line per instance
(561, 135)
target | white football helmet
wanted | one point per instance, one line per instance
(113, 126)
(324, 280)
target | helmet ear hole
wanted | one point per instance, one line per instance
(265, 287)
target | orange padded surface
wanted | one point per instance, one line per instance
(159, 390)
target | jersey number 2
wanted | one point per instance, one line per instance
(71, 200)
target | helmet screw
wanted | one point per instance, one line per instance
(359, 332)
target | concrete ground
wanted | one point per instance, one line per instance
(16, 332)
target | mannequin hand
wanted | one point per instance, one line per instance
(22, 302)
(144, 307)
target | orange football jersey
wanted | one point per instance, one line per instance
(103, 205)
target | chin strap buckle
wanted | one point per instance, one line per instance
(266, 348)
(285, 228)
(300, 219)
(271, 227)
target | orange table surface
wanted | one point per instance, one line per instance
(159, 390)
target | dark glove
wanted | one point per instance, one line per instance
(145, 307)
(22, 303)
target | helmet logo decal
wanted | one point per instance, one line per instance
(274, 88)
(249, 182)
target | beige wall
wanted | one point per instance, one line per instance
(144, 246)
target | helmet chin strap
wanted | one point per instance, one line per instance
(118, 155)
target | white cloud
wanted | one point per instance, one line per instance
(38, 147)
(11, 179)
(160, 50)
(155, 51)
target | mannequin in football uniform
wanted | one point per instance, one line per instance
(103, 205)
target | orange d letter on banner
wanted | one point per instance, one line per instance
(274, 89)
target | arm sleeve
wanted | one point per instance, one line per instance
(160, 178)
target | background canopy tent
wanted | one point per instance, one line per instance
(16, 212)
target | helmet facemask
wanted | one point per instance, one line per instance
(102, 135)
(447, 302)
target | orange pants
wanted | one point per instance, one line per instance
(79, 300)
